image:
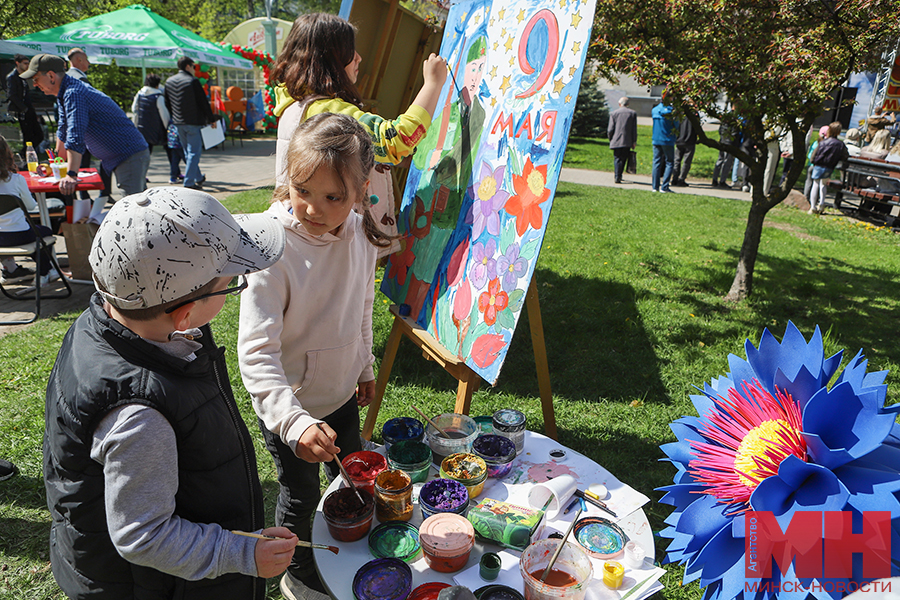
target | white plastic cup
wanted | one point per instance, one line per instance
(56, 170)
(561, 488)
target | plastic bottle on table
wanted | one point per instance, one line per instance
(31, 157)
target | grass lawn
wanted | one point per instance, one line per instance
(631, 287)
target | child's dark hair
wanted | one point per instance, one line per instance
(152, 80)
(7, 161)
(337, 142)
(314, 56)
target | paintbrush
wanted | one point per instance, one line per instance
(430, 422)
(562, 543)
(301, 543)
(590, 497)
(344, 473)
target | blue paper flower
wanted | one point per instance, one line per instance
(772, 436)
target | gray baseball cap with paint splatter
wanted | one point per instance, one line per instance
(163, 243)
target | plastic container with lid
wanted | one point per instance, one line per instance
(428, 591)
(383, 579)
(510, 423)
(498, 453)
(395, 540)
(363, 467)
(346, 519)
(393, 496)
(412, 457)
(462, 430)
(568, 579)
(443, 495)
(401, 428)
(447, 540)
(486, 422)
(468, 469)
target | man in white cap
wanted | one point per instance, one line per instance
(148, 465)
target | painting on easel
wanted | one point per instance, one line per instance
(479, 192)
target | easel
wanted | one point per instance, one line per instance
(468, 379)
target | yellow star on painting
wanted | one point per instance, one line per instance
(543, 98)
(576, 47)
(512, 61)
(494, 72)
(505, 85)
(576, 19)
(502, 13)
(496, 45)
(493, 102)
(509, 43)
(492, 22)
(568, 98)
(521, 16)
(462, 18)
(572, 71)
(478, 18)
(503, 32)
(562, 4)
(558, 85)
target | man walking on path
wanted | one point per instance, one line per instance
(20, 105)
(665, 132)
(622, 133)
(190, 110)
(685, 146)
(90, 120)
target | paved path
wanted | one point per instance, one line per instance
(236, 167)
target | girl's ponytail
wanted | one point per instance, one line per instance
(374, 234)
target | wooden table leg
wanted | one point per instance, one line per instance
(384, 373)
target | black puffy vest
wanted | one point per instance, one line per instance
(149, 123)
(102, 365)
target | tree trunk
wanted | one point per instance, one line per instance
(743, 277)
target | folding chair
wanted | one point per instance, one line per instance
(41, 249)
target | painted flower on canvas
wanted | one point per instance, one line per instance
(531, 190)
(772, 436)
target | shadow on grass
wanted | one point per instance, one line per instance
(596, 346)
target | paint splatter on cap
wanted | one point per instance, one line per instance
(162, 244)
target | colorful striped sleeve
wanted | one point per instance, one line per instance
(394, 139)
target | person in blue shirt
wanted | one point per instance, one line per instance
(90, 120)
(665, 132)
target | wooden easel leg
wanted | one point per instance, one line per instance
(532, 305)
(384, 373)
(468, 385)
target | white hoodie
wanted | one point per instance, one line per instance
(305, 336)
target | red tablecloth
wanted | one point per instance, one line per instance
(88, 179)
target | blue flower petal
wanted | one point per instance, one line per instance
(843, 424)
(799, 486)
(789, 356)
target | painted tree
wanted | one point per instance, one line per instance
(775, 61)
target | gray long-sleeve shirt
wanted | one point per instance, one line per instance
(140, 496)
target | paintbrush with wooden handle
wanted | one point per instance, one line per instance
(302, 543)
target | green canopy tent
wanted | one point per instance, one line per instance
(8, 50)
(134, 36)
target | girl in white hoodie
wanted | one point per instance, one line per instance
(305, 340)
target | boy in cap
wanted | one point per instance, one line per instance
(148, 465)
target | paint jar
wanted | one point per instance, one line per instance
(489, 566)
(447, 540)
(468, 469)
(428, 591)
(443, 495)
(486, 423)
(498, 453)
(634, 555)
(402, 428)
(363, 467)
(382, 579)
(569, 577)
(347, 520)
(393, 496)
(613, 574)
(510, 423)
(412, 457)
(462, 430)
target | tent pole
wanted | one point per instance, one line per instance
(143, 71)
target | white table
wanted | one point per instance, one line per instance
(337, 571)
